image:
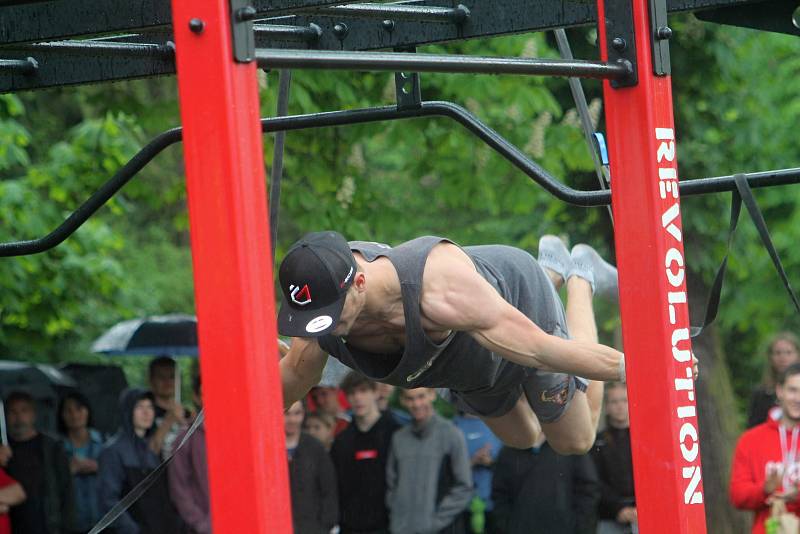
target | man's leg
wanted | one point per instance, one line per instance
(575, 430)
(517, 428)
(585, 272)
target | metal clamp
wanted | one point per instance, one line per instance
(407, 88)
(242, 35)
(621, 40)
(659, 37)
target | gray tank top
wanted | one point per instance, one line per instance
(459, 362)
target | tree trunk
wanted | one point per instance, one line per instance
(719, 421)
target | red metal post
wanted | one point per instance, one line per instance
(223, 152)
(655, 319)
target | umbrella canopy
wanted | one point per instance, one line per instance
(172, 335)
(44, 383)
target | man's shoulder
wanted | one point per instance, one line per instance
(758, 435)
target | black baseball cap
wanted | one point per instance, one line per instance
(315, 276)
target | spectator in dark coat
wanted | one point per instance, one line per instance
(612, 457)
(782, 351)
(188, 476)
(360, 454)
(126, 461)
(538, 491)
(315, 507)
(38, 462)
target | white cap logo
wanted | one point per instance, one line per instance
(318, 324)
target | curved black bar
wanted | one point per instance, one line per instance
(367, 115)
(96, 201)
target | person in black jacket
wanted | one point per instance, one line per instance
(538, 491)
(38, 462)
(126, 461)
(359, 454)
(312, 480)
(612, 457)
(782, 351)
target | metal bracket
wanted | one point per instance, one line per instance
(659, 36)
(242, 35)
(407, 87)
(621, 40)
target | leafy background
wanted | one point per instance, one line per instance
(736, 109)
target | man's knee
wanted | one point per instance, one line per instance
(574, 443)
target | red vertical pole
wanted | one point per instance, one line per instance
(223, 152)
(655, 319)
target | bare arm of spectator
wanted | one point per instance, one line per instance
(5, 455)
(503, 491)
(174, 415)
(587, 494)
(181, 480)
(746, 492)
(12, 494)
(460, 493)
(111, 480)
(328, 492)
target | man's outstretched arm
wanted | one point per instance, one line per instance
(301, 369)
(456, 297)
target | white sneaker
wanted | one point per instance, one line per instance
(553, 255)
(599, 273)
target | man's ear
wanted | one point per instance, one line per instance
(360, 280)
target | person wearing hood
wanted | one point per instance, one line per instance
(126, 461)
(766, 467)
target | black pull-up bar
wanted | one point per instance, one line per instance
(359, 116)
(397, 62)
(456, 15)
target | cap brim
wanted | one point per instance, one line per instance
(309, 323)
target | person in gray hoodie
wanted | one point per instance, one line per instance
(428, 475)
(126, 461)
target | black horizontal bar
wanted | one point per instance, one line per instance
(24, 66)
(455, 15)
(360, 116)
(61, 63)
(60, 19)
(310, 33)
(395, 62)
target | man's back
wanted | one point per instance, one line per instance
(538, 491)
(458, 362)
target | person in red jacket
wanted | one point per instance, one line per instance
(766, 464)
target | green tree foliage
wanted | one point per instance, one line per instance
(736, 110)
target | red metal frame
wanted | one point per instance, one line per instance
(223, 152)
(655, 317)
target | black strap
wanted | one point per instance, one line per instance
(712, 306)
(284, 81)
(122, 506)
(744, 194)
(750, 203)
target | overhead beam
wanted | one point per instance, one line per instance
(67, 65)
(62, 19)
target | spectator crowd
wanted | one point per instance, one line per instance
(363, 458)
